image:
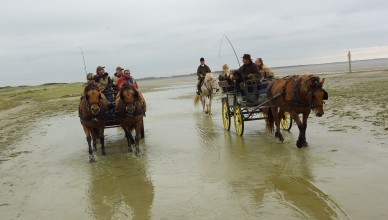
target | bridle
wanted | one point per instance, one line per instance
(317, 87)
(89, 105)
(129, 111)
(212, 90)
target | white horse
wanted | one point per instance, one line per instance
(208, 89)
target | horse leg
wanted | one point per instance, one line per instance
(89, 140)
(210, 104)
(137, 137)
(102, 141)
(278, 134)
(302, 135)
(300, 141)
(129, 138)
(203, 102)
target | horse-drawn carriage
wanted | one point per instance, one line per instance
(99, 110)
(246, 101)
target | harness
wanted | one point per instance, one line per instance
(295, 100)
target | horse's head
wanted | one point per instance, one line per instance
(93, 97)
(318, 96)
(211, 82)
(129, 95)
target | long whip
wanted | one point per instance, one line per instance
(83, 58)
(219, 53)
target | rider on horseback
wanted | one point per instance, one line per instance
(201, 72)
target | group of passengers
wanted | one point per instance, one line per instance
(248, 71)
(109, 86)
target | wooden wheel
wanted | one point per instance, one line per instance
(238, 120)
(226, 115)
(286, 121)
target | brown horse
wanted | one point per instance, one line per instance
(296, 95)
(92, 109)
(130, 110)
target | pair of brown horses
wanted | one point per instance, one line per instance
(129, 111)
(296, 95)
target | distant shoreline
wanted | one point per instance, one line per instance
(376, 64)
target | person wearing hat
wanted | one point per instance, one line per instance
(117, 75)
(201, 72)
(102, 78)
(247, 71)
(104, 82)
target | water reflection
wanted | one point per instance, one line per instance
(280, 180)
(265, 179)
(120, 187)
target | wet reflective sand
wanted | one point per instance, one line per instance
(190, 168)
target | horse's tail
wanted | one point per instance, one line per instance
(196, 100)
(270, 120)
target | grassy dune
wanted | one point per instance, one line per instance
(11, 97)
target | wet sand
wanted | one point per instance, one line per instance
(190, 168)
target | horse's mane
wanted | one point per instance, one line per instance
(90, 86)
(208, 77)
(126, 86)
(308, 82)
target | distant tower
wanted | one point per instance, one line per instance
(350, 61)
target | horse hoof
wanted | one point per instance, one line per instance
(301, 144)
(91, 159)
(103, 153)
(137, 151)
(130, 150)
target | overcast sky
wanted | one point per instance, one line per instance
(40, 39)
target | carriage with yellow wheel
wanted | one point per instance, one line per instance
(246, 102)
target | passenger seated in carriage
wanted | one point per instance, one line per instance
(104, 83)
(126, 77)
(226, 79)
(265, 72)
(248, 71)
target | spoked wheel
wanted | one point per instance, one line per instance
(226, 115)
(238, 120)
(286, 121)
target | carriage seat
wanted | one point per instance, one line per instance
(263, 86)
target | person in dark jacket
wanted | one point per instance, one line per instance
(201, 72)
(247, 71)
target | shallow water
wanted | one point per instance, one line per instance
(190, 168)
